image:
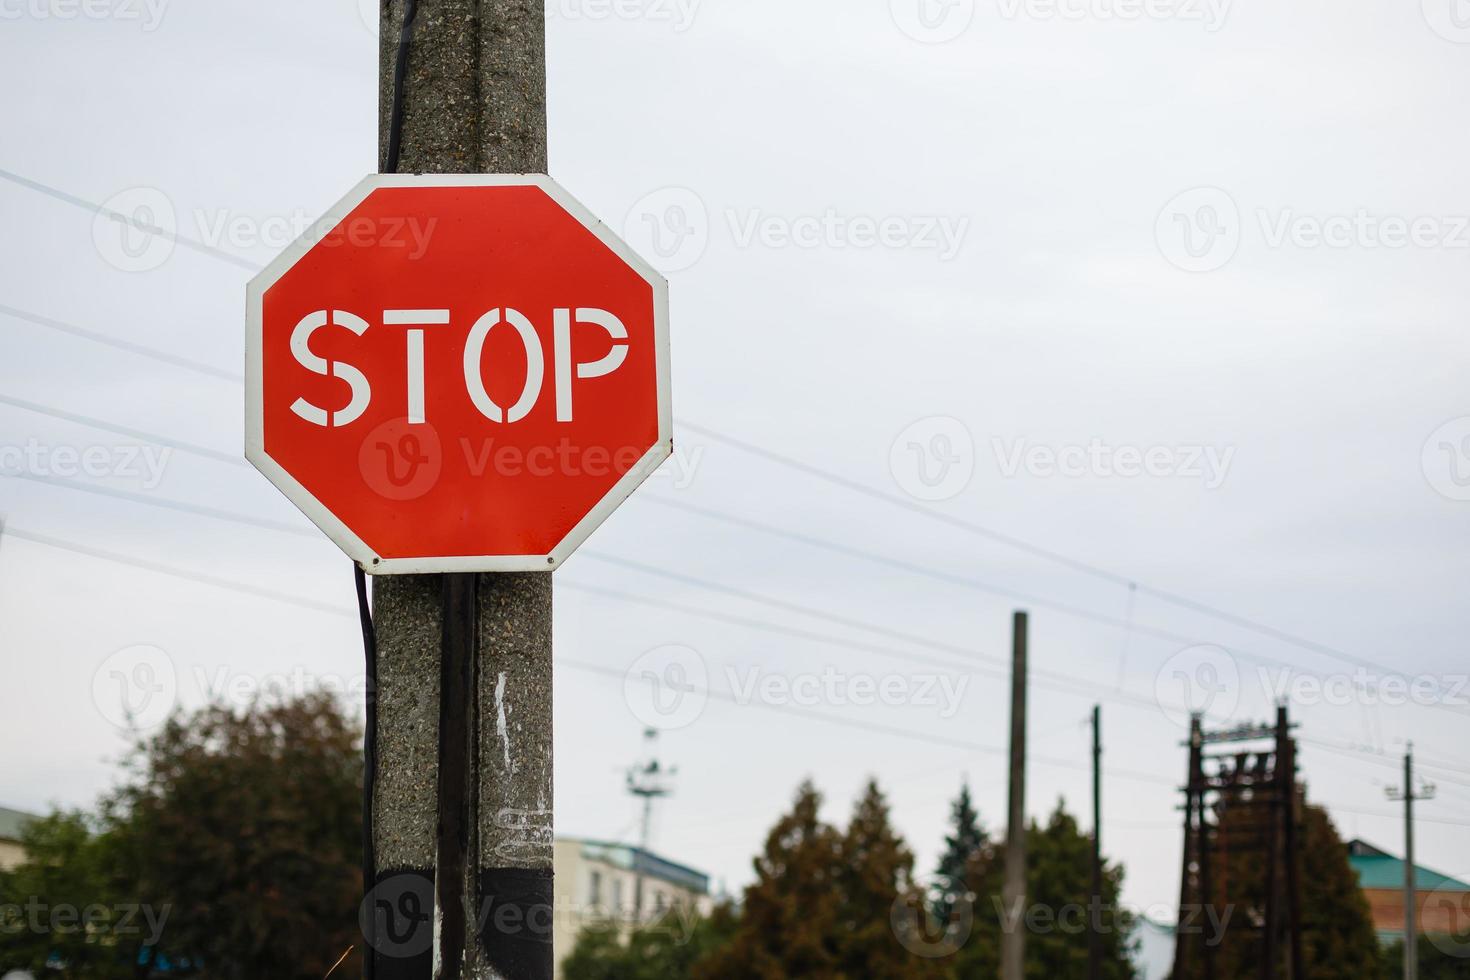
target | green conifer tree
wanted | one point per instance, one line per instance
(875, 874)
(960, 847)
(789, 923)
(1055, 917)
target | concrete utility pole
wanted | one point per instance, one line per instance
(1013, 892)
(1094, 932)
(1411, 885)
(462, 806)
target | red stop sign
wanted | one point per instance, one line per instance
(458, 373)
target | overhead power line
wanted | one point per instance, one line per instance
(1035, 550)
(188, 575)
(147, 500)
(962, 581)
(906, 733)
(697, 510)
(86, 205)
(855, 486)
(1418, 818)
(864, 725)
(246, 589)
(95, 423)
(974, 662)
(1374, 758)
(897, 732)
(817, 472)
(96, 337)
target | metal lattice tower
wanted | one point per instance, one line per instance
(649, 780)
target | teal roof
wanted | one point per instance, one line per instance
(635, 858)
(1378, 869)
(13, 823)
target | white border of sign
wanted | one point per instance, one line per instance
(323, 518)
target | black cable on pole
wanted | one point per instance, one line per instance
(400, 77)
(369, 634)
(369, 760)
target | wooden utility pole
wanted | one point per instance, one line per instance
(1095, 913)
(462, 801)
(1409, 793)
(1291, 841)
(1013, 936)
(1190, 885)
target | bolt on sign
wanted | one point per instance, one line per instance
(458, 373)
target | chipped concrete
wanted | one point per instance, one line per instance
(406, 612)
(515, 751)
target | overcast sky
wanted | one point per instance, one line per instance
(979, 258)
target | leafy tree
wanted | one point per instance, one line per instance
(1434, 963)
(64, 905)
(1056, 916)
(246, 826)
(234, 843)
(654, 953)
(960, 847)
(1338, 940)
(598, 955)
(789, 923)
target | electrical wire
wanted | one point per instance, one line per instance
(893, 730)
(395, 143)
(131, 220)
(96, 337)
(188, 575)
(1127, 624)
(395, 139)
(122, 430)
(611, 672)
(369, 634)
(369, 756)
(1057, 681)
(974, 661)
(1038, 551)
(1127, 635)
(164, 503)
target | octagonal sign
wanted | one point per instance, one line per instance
(458, 373)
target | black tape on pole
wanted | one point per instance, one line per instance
(398, 918)
(515, 918)
(458, 653)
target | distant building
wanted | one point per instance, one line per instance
(1381, 876)
(596, 882)
(12, 828)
